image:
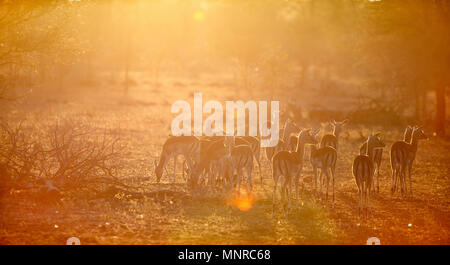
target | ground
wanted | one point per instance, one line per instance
(151, 213)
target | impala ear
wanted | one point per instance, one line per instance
(344, 121)
(378, 134)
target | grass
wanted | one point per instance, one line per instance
(167, 214)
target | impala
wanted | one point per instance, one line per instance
(323, 158)
(188, 146)
(254, 144)
(288, 165)
(241, 158)
(332, 139)
(212, 161)
(363, 170)
(288, 129)
(402, 158)
(376, 156)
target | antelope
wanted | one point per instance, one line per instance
(402, 158)
(241, 158)
(363, 170)
(205, 144)
(332, 139)
(289, 165)
(323, 158)
(271, 151)
(292, 142)
(376, 156)
(288, 128)
(212, 160)
(188, 146)
(255, 145)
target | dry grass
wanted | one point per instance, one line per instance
(150, 213)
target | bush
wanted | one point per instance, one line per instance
(61, 157)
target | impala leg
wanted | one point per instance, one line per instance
(360, 199)
(239, 178)
(405, 180)
(249, 183)
(296, 180)
(378, 178)
(328, 181)
(402, 180)
(212, 178)
(174, 169)
(190, 165)
(315, 181)
(367, 200)
(259, 169)
(397, 178)
(275, 180)
(183, 170)
(289, 195)
(283, 193)
(410, 183)
(167, 171)
(393, 181)
(332, 175)
(320, 183)
(364, 197)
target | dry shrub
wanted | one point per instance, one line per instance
(63, 157)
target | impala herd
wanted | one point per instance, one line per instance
(219, 162)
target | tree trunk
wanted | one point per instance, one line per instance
(440, 110)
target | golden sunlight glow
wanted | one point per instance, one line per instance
(199, 16)
(243, 203)
(92, 91)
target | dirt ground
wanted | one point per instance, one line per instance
(165, 213)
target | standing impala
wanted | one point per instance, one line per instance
(323, 158)
(363, 169)
(332, 139)
(255, 145)
(376, 156)
(213, 159)
(402, 158)
(288, 165)
(288, 129)
(188, 146)
(241, 158)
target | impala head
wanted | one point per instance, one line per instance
(418, 133)
(290, 127)
(338, 126)
(307, 137)
(158, 172)
(374, 141)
